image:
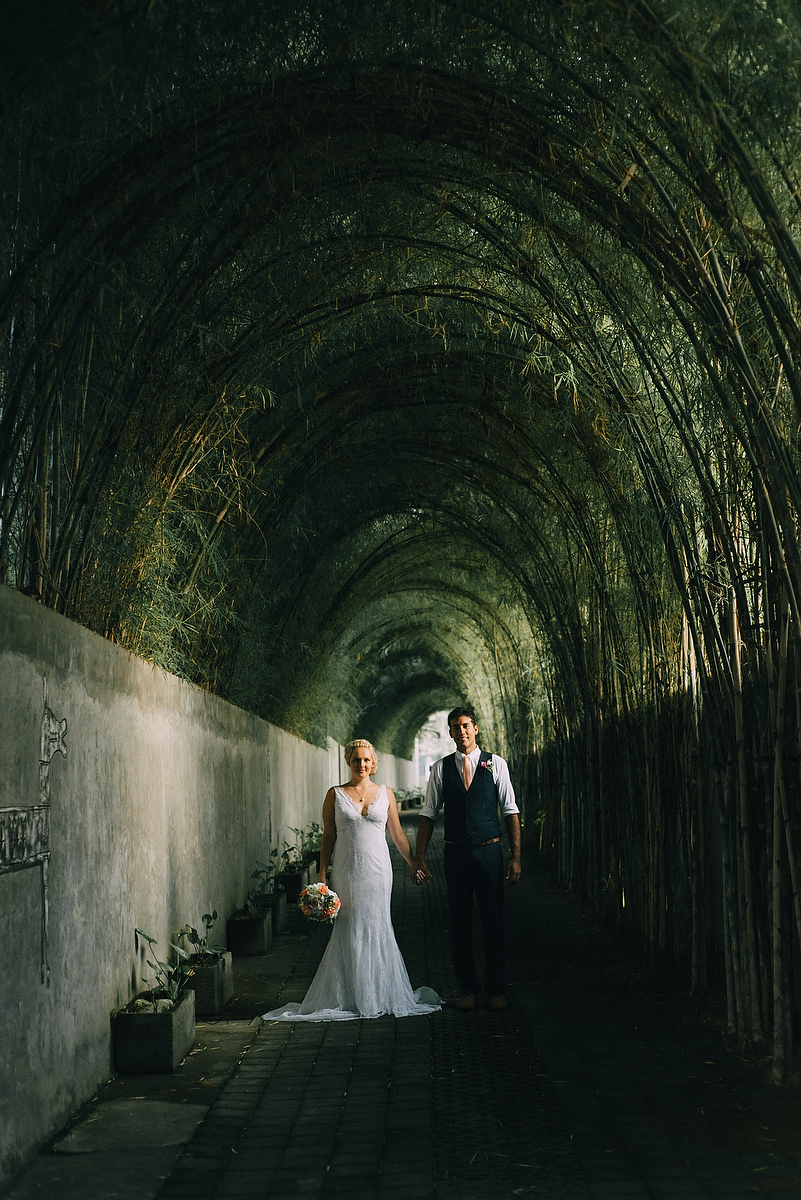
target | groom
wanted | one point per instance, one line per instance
(472, 785)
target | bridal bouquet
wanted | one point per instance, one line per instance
(318, 902)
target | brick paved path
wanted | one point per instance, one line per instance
(387, 1109)
(584, 1088)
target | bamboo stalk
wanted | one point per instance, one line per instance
(749, 942)
(781, 1016)
(786, 822)
(736, 989)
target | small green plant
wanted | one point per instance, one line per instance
(171, 978)
(412, 795)
(264, 886)
(311, 840)
(292, 862)
(202, 954)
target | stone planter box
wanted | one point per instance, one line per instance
(294, 884)
(247, 935)
(154, 1043)
(279, 913)
(213, 984)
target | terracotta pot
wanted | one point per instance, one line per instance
(154, 1043)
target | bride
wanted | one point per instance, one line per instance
(362, 973)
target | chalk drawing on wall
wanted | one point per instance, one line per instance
(25, 832)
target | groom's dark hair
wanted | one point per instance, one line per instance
(461, 712)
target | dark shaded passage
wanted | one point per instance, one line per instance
(375, 1110)
(587, 1087)
(498, 1128)
(593, 1085)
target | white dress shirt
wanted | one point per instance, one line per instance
(500, 773)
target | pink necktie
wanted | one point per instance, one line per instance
(466, 771)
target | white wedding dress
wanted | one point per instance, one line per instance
(362, 973)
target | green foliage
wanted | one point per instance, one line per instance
(256, 901)
(411, 796)
(311, 839)
(504, 325)
(519, 330)
(171, 978)
(292, 860)
(203, 953)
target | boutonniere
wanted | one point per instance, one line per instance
(487, 765)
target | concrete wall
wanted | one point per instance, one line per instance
(157, 811)
(396, 772)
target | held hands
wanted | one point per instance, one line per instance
(419, 872)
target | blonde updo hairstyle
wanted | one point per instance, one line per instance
(359, 744)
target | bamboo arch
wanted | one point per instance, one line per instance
(345, 375)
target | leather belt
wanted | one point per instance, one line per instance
(488, 842)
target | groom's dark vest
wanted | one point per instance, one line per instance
(471, 817)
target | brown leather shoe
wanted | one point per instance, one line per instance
(467, 1003)
(498, 1003)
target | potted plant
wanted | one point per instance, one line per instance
(212, 967)
(250, 930)
(293, 871)
(269, 894)
(408, 797)
(311, 841)
(154, 1031)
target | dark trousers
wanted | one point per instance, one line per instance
(476, 871)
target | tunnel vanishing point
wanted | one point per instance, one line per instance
(362, 358)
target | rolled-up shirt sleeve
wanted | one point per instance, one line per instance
(506, 793)
(433, 801)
